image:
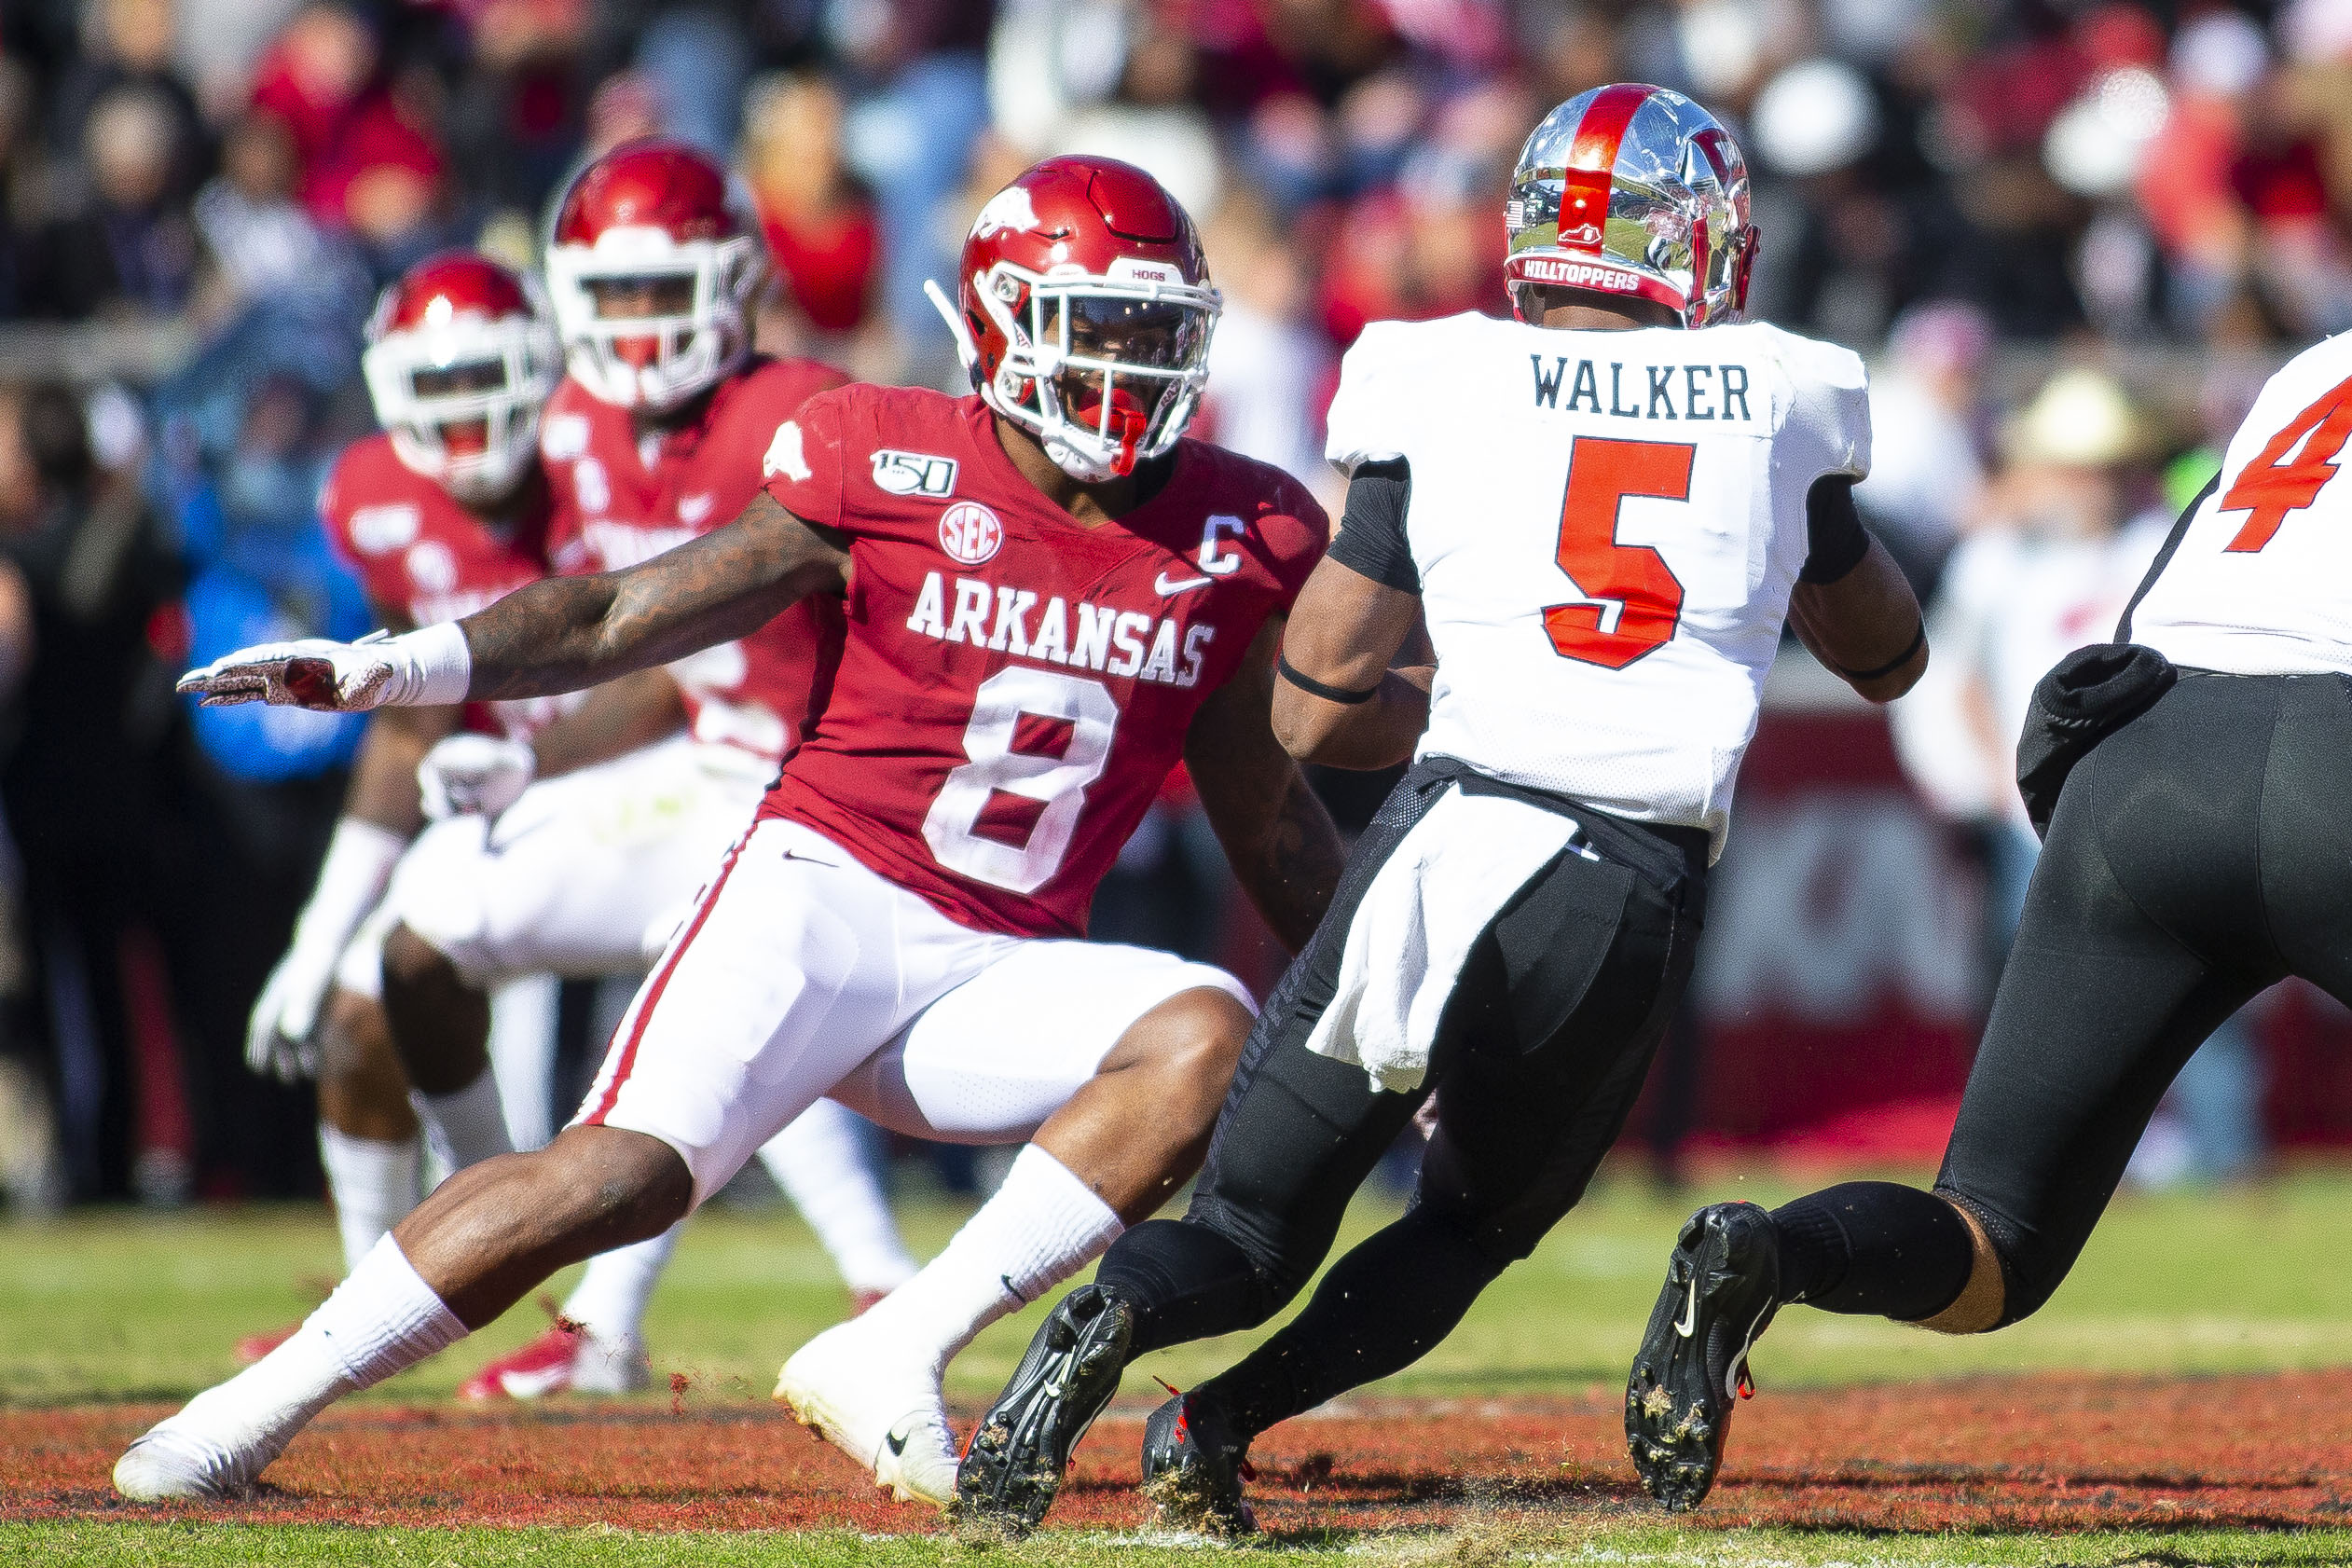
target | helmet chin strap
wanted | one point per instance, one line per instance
(966, 349)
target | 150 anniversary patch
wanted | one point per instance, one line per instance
(913, 472)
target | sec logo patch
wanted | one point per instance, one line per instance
(969, 532)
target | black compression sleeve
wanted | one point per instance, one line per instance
(1836, 539)
(1371, 538)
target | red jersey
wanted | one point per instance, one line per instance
(422, 556)
(1015, 686)
(619, 500)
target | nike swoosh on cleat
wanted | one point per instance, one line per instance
(1183, 586)
(895, 1442)
(1689, 1324)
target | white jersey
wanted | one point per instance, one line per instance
(2256, 584)
(1607, 527)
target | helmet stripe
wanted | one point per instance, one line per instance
(1602, 130)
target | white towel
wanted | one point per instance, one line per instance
(1439, 890)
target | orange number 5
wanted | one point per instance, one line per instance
(1648, 596)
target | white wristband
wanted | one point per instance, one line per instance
(358, 867)
(431, 667)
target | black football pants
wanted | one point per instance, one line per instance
(2199, 854)
(1540, 1051)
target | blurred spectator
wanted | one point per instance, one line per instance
(319, 78)
(88, 779)
(2062, 542)
(823, 234)
(129, 45)
(924, 102)
(130, 248)
(514, 109)
(1270, 370)
(258, 242)
(699, 62)
(1151, 121)
(1926, 395)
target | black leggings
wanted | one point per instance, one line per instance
(2199, 854)
(1540, 1053)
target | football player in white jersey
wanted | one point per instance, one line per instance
(2188, 780)
(1604, 510)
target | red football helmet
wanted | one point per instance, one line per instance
(460, 358)
(653, 270)
(1086, 312)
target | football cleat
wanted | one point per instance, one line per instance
(1018, 1454)
(1722, 1289)
(1193, 1469)
(881, 1409)
(562, 1361)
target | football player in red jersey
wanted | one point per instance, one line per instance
(439, 516)
(655, 435)
(1051, 599)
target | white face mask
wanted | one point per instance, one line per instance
(461, 400)
(697, 333)
(1105, 371)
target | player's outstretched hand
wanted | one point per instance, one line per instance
(475, 775)
(416, 669)
(330, 677)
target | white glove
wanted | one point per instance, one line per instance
(475, 775)
(280, 1038)
(428, 668)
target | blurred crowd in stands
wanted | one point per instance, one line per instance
(2072, 237)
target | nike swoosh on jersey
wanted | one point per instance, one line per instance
(1182, 585)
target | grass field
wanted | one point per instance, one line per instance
(2152, 1401)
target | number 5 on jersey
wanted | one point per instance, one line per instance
(1633, 580)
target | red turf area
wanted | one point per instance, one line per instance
(1992, 1453)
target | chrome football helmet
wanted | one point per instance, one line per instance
(1632, 189)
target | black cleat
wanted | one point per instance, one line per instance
(1013, 1464)
(1721, 1291)
(1193, 1469)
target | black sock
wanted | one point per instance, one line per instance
(1185, 1281)
(1380, 1309)
(1873, 1249)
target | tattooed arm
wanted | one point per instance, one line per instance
(558, 635)
(565, 633)
(1278, 836)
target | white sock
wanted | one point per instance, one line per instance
(824, 1162)
(374, 1186)
(467, 1124)
(523, 1055)
(384, 1319)
(610, 1300)
(1042, 1226)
